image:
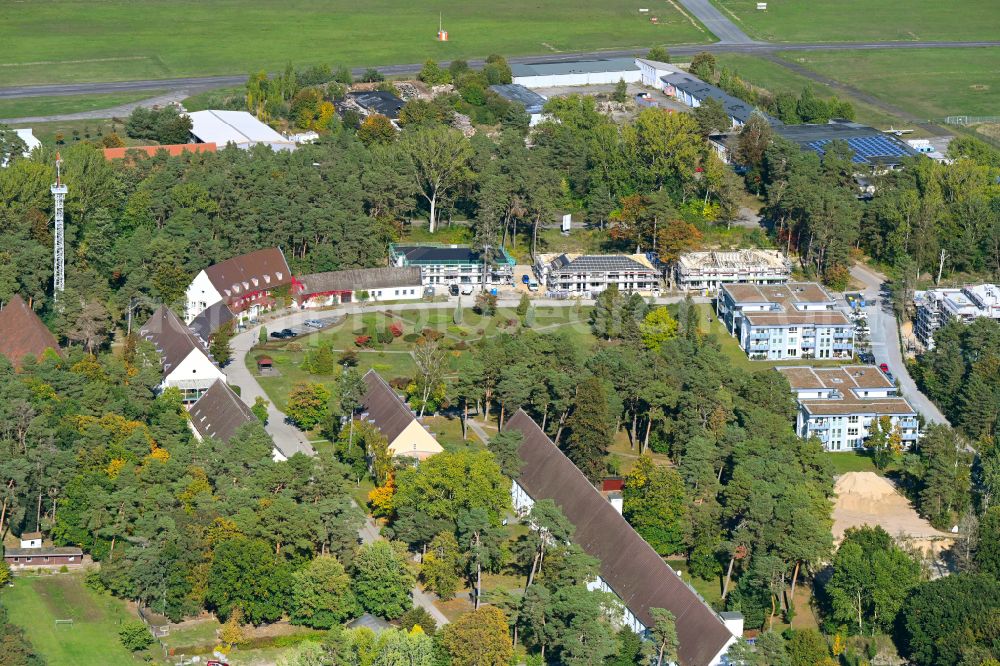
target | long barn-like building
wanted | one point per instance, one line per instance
(630, 568)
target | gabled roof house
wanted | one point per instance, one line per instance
(629, 568)
(186, 363)
(22, 333)
(219, 413)
(384, 408)
(243, 283)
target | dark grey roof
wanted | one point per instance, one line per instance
(211, 319)
(629, 565)
(383, 407)
(219, 413)
(173, 340)
(869, 144)
(512, 92)
(41, 552)
(599, 263)
(376, 624)
(594, 66)
(357, 279)
(733, 106)
(379, 101)
(429, 254)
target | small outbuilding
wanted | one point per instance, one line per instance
(518, 94)
(31, 558)
(264, 365)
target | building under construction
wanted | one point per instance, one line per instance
(708, 271)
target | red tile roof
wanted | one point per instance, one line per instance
(173, 150)
(22, 333)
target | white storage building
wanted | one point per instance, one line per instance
(650, 72)
(236, 127)
(576, 72)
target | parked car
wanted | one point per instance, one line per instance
(467, 289)
(453, 289)
(313, 323)
(525, 279)
(884, 367)
(532, 286)
(283, 334)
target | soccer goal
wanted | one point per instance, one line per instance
(64, 623)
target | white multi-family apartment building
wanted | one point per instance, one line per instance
(781, 322)
(936, 307)
(708, 271)
(590, 274)
(839, 405)
(453, 264)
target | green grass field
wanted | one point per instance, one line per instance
(776, 78)
(931, 83)
(866, 20)
(92, 639)
(50, 106)
(65, 40)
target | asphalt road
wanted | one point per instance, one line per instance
(885, 343)
(717, 23)
(197, 84)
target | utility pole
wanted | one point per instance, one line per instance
(58, 259)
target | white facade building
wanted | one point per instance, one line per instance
(243, 283)
(452, 264)
(30, 143)
(319, 290)
(780, 322)
(588, 275)
(650, 72)
(708, 271)
(936, 307)
(185, 361)
(839, 405)
(599, 71)
(239, 128)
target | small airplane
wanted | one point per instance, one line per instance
(898, 132)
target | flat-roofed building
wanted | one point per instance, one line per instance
(529, 99)
(839, 405)
(453, 264)
(780, 322)
(239, 128)
(936, 307)
(692, 91)
(575, 72)
(590, 274)
(707, 271)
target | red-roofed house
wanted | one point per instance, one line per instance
(22, 333)
(173, 150)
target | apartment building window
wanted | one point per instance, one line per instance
(793, 329)
(852, 419)
(852, 431)
(792, 352)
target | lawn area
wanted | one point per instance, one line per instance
(87, 130)
(711, 325)
(394, 360)
(49, 106)
(58, 41)
(776, 78)
(865, 20)
(843, 462)
(931, 83)
(34, 603)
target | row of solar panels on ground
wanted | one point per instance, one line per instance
(866, 147)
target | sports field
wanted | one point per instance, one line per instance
(866, 20)
(931, 83)
(92, 639)
(50, 41)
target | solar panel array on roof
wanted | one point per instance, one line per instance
(866, 148)
(611, 262)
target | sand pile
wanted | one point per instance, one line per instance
(865, 498)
